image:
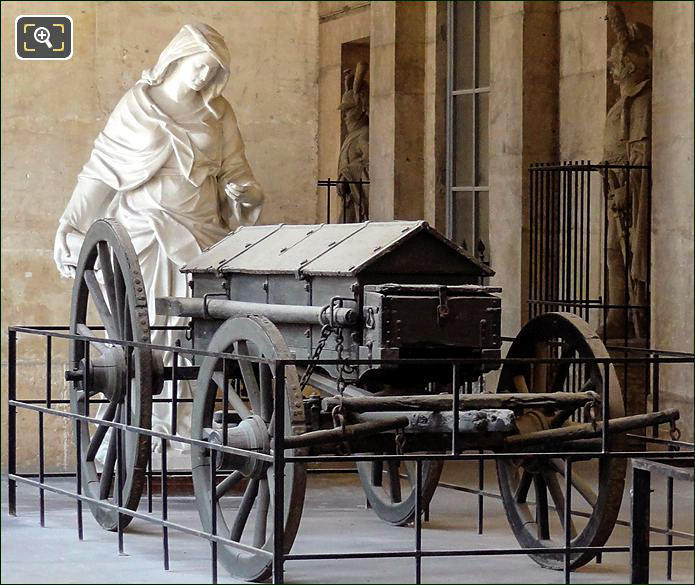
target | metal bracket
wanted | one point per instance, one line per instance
(336, 303)
(206, 314)
(443, 307)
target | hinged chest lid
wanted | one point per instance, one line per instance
(335, 250)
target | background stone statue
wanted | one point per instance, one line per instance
(627, 140)
(170, 166)
(353, 162)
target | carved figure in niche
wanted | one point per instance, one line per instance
(627, 140)
(353, 162)
(170, 166)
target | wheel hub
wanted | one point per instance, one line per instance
(251, 434)
(107, 373)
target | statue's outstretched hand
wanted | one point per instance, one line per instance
(246, 200)
(61, 251)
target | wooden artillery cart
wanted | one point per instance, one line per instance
(398, 294)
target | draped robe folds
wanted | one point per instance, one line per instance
(164, 180)
(627, 141)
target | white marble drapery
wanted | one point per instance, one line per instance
(164, 179)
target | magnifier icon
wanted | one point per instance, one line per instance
(41, 35)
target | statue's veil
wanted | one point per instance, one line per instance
(191, 40)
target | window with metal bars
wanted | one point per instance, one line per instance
(468, 99)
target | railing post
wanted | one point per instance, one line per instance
(418, 521)
(455, 408)
(165, 505)
(328, 200)
(12, 421)
(213, 512)
(567, 519)
(639, 540)
(279, 476)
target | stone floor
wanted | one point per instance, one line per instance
(334, 519)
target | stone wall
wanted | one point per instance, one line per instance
(672, 200)
(52, 111)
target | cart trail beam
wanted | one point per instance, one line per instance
(555, 400)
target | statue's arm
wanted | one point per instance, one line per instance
(364, 147)
(88, 202)
(240, 193)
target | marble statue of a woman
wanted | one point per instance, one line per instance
(170, 166)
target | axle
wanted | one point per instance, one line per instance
(224, 309)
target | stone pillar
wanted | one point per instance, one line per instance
(435, 115)
(523, 129)
(397, 110)
(672, 201)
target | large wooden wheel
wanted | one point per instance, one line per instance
(248, 521)
(390, 487)
(109, 284)
(597, 488)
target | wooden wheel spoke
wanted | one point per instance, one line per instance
(539, 381)
(520, 383)
(249, 376)
(245, 507)
(259, 530)
(100, 304)
(228, 483)
(107, 471)
(522, 489)
(542, 524)
(234, 399)
(101, 431)
(82, 329)
(394, 480)
(562, 370)
(377, 472)
(589, 385)
(579, 483)
(558, 499)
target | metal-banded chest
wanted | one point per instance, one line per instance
(349, 267)
(418, 316)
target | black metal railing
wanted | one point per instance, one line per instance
(568, 260)
(568, 234)
(330, 184)
(673, 451)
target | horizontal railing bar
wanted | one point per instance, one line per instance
(335, 182)
(142, 516)
(481, 552)
(141, 431)
(687, 359)
(685, 455)
(591, 304)
(585, 167)
(141, 344)
(678, 357)
(99, 400)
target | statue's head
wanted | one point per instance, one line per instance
(197, 57)
(354, 104)
(630, 56)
